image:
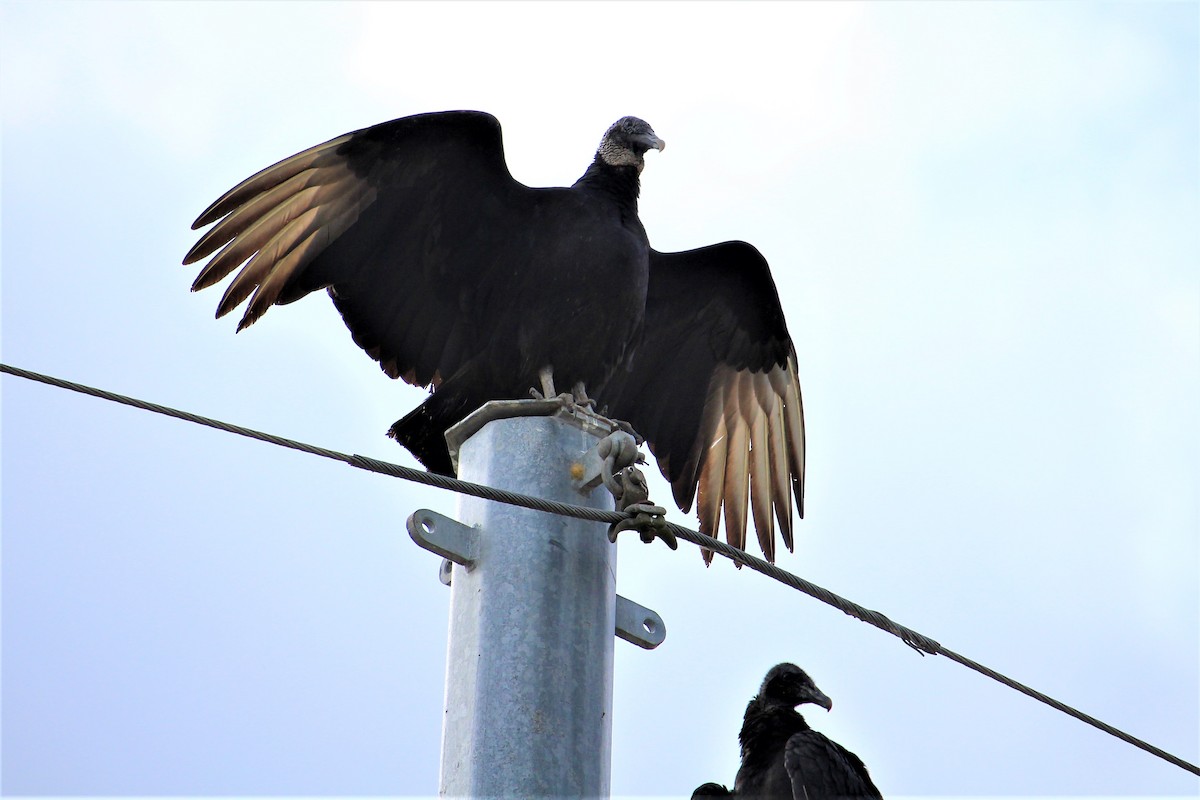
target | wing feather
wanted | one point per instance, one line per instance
(794, 409)
(267, 231)
(760, 462)
(272, 176)
(245, 245)
(781, 497)
(712, 472)
(254, 209)
(685, 485)
(325, 226)
(286, 233)
(737, 469)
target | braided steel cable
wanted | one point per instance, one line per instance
(922, 644)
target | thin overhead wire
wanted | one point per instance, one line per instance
(922, 644)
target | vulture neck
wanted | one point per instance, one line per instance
(766, 729)
(620, 182)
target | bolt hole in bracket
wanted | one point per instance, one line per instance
(459, 544)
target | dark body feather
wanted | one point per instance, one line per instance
(453, 275)
(783, 758)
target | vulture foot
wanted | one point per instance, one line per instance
(571, 401)
(576, 398)
(581, 397)
(565, 399)
(625, 426)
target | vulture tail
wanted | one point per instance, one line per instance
(423, 430)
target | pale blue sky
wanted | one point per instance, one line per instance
(982, 219)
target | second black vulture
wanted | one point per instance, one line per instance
(782, 757)
(453, 275)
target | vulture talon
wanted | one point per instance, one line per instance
(581, 397)
(567, 400)
(637, 437)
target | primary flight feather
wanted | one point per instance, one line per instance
(455, 276)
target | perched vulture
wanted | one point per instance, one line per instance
(453, 275)
(783, 758)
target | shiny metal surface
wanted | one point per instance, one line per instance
(530, 658)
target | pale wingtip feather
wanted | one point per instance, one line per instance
(760, 465)
(737, 473)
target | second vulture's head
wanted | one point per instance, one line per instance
(626, 141)
(788, 685)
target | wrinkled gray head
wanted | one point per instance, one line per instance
(626, 141)
(788, 685)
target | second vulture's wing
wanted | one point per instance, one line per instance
(713, 388)
(821, 769)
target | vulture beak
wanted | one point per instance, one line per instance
(651, 141)
(818, 697)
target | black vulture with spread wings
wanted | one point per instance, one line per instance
(453, 275)
(783, 758)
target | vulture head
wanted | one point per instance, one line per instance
(788, 685)
(626, 141)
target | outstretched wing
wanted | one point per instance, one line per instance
(821, 769)
(713, 388)
(400, 221)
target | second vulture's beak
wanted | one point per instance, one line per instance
(815, 695)
(651, 141)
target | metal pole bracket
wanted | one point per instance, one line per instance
(639, 625)
(588, 472)
(447, 537)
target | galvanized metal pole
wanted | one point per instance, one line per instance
(529, 666)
